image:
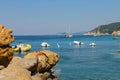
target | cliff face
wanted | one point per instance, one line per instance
(104, 29)
(34, 66)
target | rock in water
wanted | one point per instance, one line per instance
(35, 66)
(46, 59)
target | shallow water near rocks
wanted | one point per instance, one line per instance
(84, 62)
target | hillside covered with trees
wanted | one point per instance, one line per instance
(105, 29)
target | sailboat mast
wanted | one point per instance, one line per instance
(68, 33)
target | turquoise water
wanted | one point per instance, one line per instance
(84, 62)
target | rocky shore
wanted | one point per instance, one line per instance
(35, 65)
(95, 33)
(116, 33)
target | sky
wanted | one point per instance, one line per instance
(43, 17)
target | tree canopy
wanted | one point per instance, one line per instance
(108, 28)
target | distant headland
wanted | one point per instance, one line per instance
(108, 29)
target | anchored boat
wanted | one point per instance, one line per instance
(22, 47)
(45, 44)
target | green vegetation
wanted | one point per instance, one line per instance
(109, 28)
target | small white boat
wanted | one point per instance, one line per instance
(92, 44)
(77, 42)
(68, 35)
(45, 44)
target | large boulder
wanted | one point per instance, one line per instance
(46, 59)
(5, 36)
(15, 71)
(35, 66)
(6, 52)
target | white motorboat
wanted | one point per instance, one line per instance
(92, 44)
(77, 42)
(45, 44)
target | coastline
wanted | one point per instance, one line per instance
(35, 65)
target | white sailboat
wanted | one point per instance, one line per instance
(68, 35)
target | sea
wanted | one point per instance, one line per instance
(80, 62)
